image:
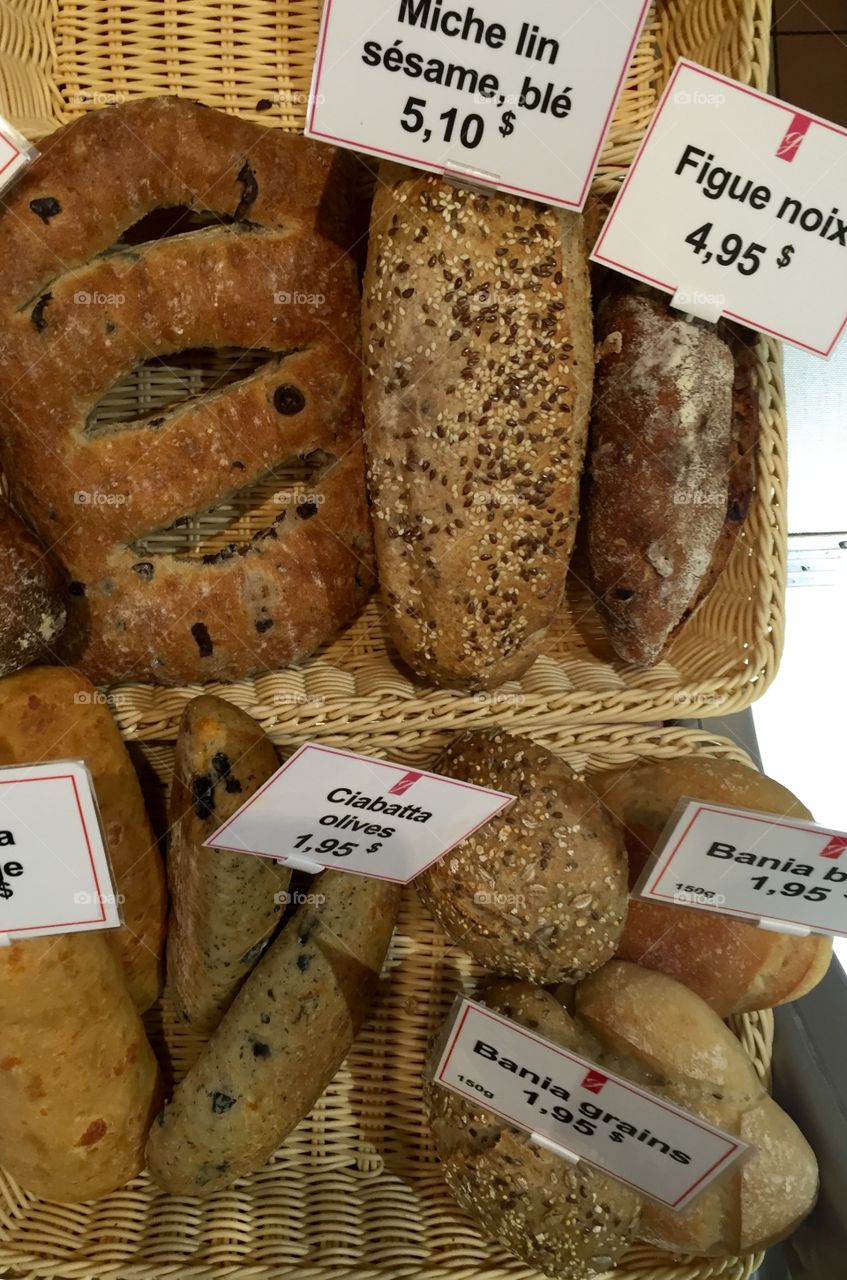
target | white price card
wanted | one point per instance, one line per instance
(331, 808)
(54, 870)
(513, 96)
(736, 204)
(754, 865)
(654, 1147)
(16, 154)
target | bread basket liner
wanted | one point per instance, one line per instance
(356, 1191)
(60, 58)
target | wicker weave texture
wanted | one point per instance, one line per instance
(60, 58)
(356, 1191)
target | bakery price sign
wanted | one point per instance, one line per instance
(790, 875)
(579, 1110)
(736, 204)
(54, 870)
(331, 808)
(513, 96)
(16, 154)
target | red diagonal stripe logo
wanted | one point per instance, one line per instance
(794, 136)
(594, 1081)
(408, 780)
(834, 849)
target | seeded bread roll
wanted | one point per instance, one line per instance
(566, 1221)
(224, 906)
(660, 458)
(540, 892)
(730, 963)
(658, 1027)
(32, 613)
(479, 366)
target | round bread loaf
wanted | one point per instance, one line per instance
(540, 892)
(734, 966)
(32, 614)
(564, 1220)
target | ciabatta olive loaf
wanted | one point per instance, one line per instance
(660, 460)
(32, 611)
(281, 1041)
(730, 963)
(479, 366)
(224, 906)
(540, 891)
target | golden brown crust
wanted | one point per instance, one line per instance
(78, 1080)
(731, 964)
(50, 713)
(659, 469)
(660, 1027)
(32, 610)
(261, 603)
(224, 906)
(540, 892)
(477, 336)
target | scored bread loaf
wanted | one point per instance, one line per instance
(730, 963)
(540, 891)
(655, 1025)
(281, 1041)
(568, 1221)
(54, 713)
(479, 366)
(224, 906)
(659, 472)
(32, 612)
(78, 1080)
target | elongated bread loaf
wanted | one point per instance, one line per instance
(660, 460)
(479, 359)
(224, 906)
(78, 1080)
(54, 713)
(662, 1028)
(730, 963)
(282, 1040)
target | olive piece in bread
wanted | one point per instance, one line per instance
(540, 892)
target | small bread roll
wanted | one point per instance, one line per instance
(564, 1220)
(540, 892)
(733, 965)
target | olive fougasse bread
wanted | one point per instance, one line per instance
(82, 308)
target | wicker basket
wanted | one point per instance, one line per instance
(59, 58)
(356, 1192)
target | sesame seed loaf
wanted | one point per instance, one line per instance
(731, 964)
(540, 892)
(660, 459)
(32, 612)
(479, 365)
(655, 1025)
(224, 906)
(567, 1221)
